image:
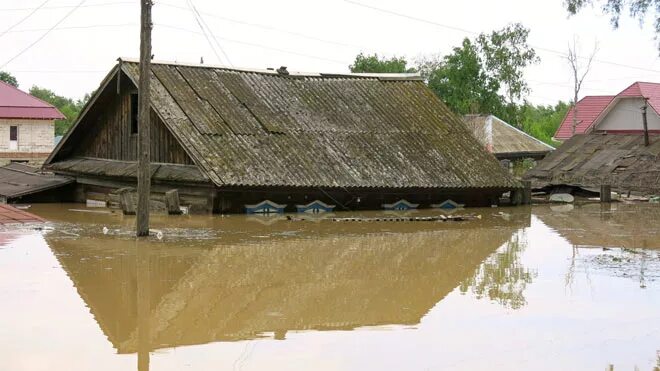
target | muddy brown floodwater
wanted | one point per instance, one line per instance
(543, 288)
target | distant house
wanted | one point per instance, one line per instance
(27, 126)
(226, 138)
(505, 141)
(608, 147)
(615, 114)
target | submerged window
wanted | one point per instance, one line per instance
(13, 133)
(134, 113)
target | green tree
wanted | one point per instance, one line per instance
(376, 64)
(8, 78)
(69, 107)
(542, 122)
(484, 75)
(636, 8)
(506, 54)
(461, 81)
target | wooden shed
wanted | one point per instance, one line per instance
(227, 137)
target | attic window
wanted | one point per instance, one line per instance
(134, 113)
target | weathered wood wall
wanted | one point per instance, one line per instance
(108, 131)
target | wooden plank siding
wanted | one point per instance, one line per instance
(108, 134)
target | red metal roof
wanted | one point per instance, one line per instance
(16, 104)
(648, 90)
(589, 108)
(12, 215)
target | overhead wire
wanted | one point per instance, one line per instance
(256, 45)
(70, 6)
(199, 18)
(201, 27)
(268, 27)
(76, 27)
(35, 42)
(426, 21)
(24, 18)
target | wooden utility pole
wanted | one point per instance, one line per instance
(144, 147)
(646, 125)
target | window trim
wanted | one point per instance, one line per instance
(13, 129)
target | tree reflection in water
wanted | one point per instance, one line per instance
(502, 277)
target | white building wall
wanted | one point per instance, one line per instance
(33, 135)
(627, 115)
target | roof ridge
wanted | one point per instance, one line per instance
(523, 132)
(384, 76)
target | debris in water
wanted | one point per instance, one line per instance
(91, 211)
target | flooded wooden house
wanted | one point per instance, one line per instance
(587, 161)
(227, 137)
(609, 145)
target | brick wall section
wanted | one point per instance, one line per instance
(33, 135)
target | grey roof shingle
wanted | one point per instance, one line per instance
(589, 160)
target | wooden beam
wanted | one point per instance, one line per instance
(144, 147)
(126, 201)
(605, 193)
(172, 202)
(644, 122)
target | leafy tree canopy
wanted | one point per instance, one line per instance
(461, 81)
(376, 64)
(636, 8)
(8, 78)
(542, 122)
(506, 55)
(69, 107)
(484, 75)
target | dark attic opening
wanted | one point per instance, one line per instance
(134, 113)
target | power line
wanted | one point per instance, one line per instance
(422, 20)
(269, 28)
(202, 24)
(44, 34)
(76, 27)
(256, 45)
(206, 36)
(24, 18)
(70, 6)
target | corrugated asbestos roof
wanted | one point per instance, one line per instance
(245, 128)
(506, 139)
(16, 104)
(589, 160)
(17, 182)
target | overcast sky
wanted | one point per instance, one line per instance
(314, 36)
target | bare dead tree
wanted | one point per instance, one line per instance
(579, 73)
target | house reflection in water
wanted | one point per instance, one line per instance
(330, 276)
